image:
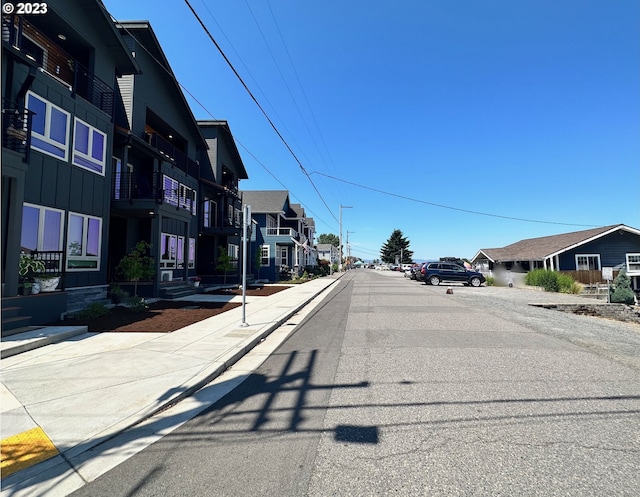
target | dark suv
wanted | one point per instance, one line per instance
(435, 272)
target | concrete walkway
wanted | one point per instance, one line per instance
(61, 404)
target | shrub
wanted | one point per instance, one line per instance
(93, 311)
(622, 293)
(490, 281)
(552, 281)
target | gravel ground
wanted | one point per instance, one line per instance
(616, 340)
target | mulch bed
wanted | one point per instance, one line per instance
(163, 316)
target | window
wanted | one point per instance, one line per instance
(192, 253)
(633, 263)
(210, 215)
(233, 251)
(89, 147)
(180, 252)
(49, 127)
(265, 256)
(42, 230)
(230, 214)
(282, 255)
(588, 262)
(171, 187)
(84, 236)
(175, 193)
(168, 250)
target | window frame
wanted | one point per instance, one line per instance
(263, 257)
(588, 257)
(49, 143)
(83, 257)
(629, 263)
(191, 254)
(42, 228)
(171, 261)
(84, 160)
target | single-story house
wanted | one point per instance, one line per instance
(588, 251)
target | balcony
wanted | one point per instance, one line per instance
(173, 154)
(58, 64)
(136, 186)
(16, 128)
(287, 232)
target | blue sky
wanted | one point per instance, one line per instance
(465, 124)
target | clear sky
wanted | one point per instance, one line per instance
(465, 124)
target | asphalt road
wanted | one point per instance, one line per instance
(395, 388)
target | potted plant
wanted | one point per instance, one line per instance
(195, 281)
(28, 268)
(48, 281)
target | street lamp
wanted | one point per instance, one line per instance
(340, 240)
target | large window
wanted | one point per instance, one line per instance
(89, 147)
(168, 250)
(84, 237)
(175, 193)
(42, 228)
(49, 127)
(588, 262)
(633, 263)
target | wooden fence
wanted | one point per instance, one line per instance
(588, 277)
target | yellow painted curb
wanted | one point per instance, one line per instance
(25, 449)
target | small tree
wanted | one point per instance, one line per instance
(258, 261)
(137, 265)
(224, 263)
(623, 294)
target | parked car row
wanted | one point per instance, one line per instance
(436, 272)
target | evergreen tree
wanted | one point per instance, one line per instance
(623, 294)
(396, 245)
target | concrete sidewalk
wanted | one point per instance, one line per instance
(59, 402)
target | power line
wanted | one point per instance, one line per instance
(255, 100)
(468, 211)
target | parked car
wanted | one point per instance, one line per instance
(434, 273)
(416, 272)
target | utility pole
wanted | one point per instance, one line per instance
(340, 242)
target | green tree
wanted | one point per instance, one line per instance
(623, 294)
(224, 263)
(329, 238)
(396, 245)
(258, 261)
(137, 265)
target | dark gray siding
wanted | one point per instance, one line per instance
(611, 248)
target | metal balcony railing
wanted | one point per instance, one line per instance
(57, 63)
(173, 154)
(16, 128)
(141, 186)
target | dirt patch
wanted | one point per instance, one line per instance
(263, 291)
(164, 316)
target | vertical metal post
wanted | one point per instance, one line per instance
(246, 221)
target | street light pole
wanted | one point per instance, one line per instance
(246, 222)
(340, 239)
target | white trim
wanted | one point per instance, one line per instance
(77, 156)
(596, 256)
(595, 237)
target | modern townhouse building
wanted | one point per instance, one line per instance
(59, 71)
(220, 211)
(154, 190)
(282, 234)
